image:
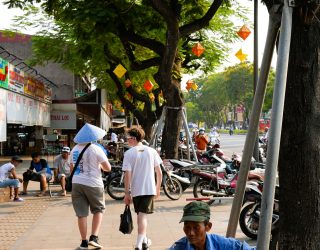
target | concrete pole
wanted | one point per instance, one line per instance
(254, 121)
(275, 129)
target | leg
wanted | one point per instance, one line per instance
(96, 223)
(142, 229)
(82, 224)
(43, 181)
(25, 186)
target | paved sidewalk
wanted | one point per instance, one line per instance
(50, 223)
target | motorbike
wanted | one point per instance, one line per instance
(221, 182)
(113, 183)
(250, 212)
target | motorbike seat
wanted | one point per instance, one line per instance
(180, 164)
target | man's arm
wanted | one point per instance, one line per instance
(159, 180)
(106, 166)
(14, 174)
(127, 188)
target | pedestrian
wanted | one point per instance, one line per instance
(141, 163)
(87, 185)
(8, 176)
(41, 174)
(201, 141)
(62, 165)
(196, 219)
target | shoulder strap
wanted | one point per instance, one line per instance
(78, 160)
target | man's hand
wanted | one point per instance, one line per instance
(127, 199)
(20, 180)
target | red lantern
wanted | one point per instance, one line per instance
(127, 83)
(244, 32)
(189, 84)
(197, 49)
(147, 85)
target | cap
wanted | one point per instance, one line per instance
(89, 133)
(65, 149)
(16, 158)
(196, 211)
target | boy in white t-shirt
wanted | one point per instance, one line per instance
(8, 176)
(140, 164)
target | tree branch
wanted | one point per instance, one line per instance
(198, 24)
(165, 11)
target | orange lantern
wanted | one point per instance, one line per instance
(147, 85)
(244, 32)
(189, 84)
(197, 49)
(127, 83)
(129, 96)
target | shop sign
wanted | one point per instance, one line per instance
(40, 90)
(3, 115)
(4, 73)
(26, 111)
(47, 94)
(63, 120)
(29, 86)
(16, 79)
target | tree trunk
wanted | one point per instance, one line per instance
(299, 160)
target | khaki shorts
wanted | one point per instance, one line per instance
(143, 204)
(84, 197)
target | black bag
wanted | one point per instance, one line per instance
(126, 224)
(68, 186)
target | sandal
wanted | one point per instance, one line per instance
(23, 193)
(41, 194)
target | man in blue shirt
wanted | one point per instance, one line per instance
(196, 218)
(42, 174)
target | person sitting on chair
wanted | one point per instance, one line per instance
(43, 174)
(62, 164)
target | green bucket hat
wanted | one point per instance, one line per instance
(196, 211)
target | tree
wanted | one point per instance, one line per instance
(299, 150)
(154, 36)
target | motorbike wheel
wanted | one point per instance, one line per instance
(249, 223)
(115, 189)
(172, 188)
(203, 185)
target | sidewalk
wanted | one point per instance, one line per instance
(50, 223)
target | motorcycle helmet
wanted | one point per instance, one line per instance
(201, 131)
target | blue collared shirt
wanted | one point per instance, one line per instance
(213, 242)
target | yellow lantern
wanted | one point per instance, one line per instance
(194, 86)
(241, 56)
(119, 71)
(127, 83)
(151, 96)
(147, 85)
(244, 32)
(197, 49)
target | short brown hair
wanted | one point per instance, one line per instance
(137, 132)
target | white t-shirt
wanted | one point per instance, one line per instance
(141, 160)
(5, 170)
(88, 171)
(62, 164)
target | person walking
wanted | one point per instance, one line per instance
(140, 164)
(87, 185)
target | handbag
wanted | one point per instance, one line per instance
(68, 186)
(126, 224)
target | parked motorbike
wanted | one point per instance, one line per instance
(250, 212)
(113, 183)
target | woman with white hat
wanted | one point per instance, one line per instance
(87, 185)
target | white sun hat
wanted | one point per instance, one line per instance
(89, 133)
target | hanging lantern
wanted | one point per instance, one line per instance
(197, 49)
(189, 84)
(127, 83)
(241, 56)
(151, 96)
(147, 85)
(119, 71)
(161, 94)
(194, 86)
(244, 32)
(128, 96)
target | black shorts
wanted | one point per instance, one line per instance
(143, 204)
(33, 176)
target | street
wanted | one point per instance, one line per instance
(50, 223)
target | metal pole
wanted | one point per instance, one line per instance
(185, 123)
(255, 68)
(158, 128)
(253, 126)
(275, 129)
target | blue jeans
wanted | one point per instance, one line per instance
(10, 183)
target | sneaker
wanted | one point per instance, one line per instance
(146, 245)
(94, 241)
(84, 244)
(18, 199)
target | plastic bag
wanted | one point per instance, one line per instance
(126, 224)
